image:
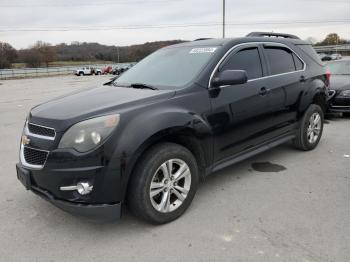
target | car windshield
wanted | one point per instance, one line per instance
(172, 67)
(339, 68)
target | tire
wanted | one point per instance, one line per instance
(81, 73)
(347, 115)
(309, 133)
(149, 170)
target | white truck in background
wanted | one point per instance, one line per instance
(87, 70)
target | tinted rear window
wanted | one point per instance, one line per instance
(280, 60)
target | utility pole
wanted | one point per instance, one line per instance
(336, 45)
(223, 17)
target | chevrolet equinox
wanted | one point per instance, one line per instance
(147, 138)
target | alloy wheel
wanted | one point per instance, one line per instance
(170, 185)
(314, 128)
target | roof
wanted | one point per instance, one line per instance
(238, 40)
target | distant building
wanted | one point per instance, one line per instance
(344, 50)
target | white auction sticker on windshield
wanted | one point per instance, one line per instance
(203, 50)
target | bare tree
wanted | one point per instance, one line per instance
(332, 39)
(311, 40)
(31, 57)
(7, 55)
(47, 52)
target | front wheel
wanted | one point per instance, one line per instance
(310, 129)
(163, 184)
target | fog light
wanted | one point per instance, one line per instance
(83, 188)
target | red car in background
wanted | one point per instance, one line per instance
(106, 70)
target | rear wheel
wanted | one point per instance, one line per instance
(310, 129)
(163, 184)
(346, 114)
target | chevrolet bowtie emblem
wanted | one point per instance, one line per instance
(25, 140)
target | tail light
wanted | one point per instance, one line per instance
(328, 78)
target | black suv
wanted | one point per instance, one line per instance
(148, 137)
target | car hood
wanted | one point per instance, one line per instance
(340, 82)
(72, 108)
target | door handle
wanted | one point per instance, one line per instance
(302, 79)
(264, 91)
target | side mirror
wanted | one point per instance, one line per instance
(230, 77)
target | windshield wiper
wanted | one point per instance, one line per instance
(143, 86)
(134, 85)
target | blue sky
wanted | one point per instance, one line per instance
(138, 21)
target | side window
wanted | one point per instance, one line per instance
(280, 60)
(245, 59)
(298, 63)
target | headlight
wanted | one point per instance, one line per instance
(90, 133)
(345, 93)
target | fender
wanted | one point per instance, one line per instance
(316, 86)
(132, 140)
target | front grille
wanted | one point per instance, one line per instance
(41, 130)
(34, 157)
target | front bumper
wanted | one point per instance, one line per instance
(93, 211)
(46, 169)
(84, 206)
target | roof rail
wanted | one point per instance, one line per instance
(199, 39)
(271, 34)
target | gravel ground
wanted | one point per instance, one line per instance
(296, 211)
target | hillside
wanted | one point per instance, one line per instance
(77, 51)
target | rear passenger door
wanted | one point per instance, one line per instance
(285, 85)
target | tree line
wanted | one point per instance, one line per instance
(332, 39)
(42, 54)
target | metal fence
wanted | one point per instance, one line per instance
(50, 71)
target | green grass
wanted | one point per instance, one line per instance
(18, 65)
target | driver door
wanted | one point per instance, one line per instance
(240, 117)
